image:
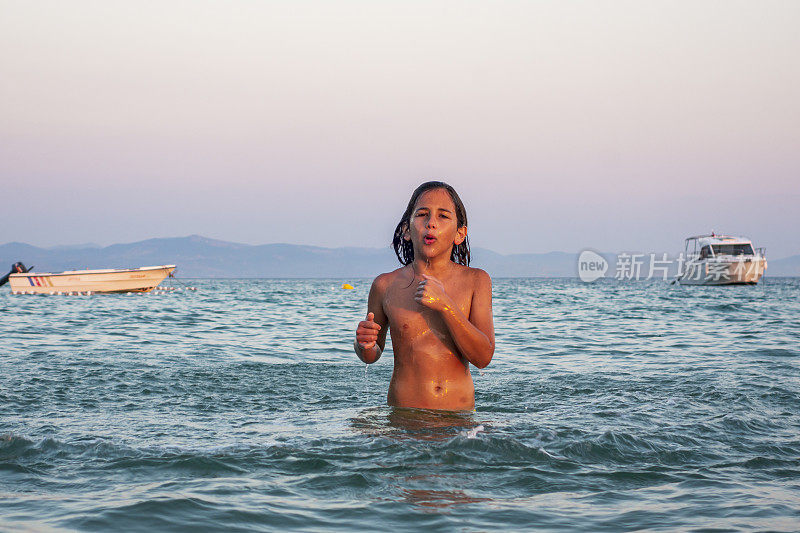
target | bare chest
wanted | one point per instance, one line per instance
(408, 317)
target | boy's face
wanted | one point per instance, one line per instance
(434, 226)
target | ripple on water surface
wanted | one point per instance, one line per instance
(610, 406)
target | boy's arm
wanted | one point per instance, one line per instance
(370, 351)
(473, 336)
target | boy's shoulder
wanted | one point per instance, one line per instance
(476, 274)
(383, 281)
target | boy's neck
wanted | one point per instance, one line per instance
(435, 266)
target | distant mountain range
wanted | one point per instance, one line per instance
(201, 257)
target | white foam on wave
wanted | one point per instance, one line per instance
(473, 433)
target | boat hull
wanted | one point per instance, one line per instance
(142, 279)
(724, 273)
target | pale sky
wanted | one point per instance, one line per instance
(564, 125)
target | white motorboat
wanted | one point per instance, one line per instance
(142, 279)
(721, 260)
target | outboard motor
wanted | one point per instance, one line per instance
(17, 268)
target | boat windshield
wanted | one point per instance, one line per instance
(733, 249)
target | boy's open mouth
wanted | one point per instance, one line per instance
(429, 239)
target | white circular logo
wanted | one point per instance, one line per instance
(591, 266)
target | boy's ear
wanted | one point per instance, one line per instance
(460, 236)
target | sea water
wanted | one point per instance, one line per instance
(241, 406)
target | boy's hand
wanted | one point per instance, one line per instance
(367, 332)
(431, 293)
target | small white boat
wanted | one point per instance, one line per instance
(721, 260)
(143, 279)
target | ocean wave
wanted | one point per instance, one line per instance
(612, 406)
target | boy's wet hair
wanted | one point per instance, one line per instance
(405, 249)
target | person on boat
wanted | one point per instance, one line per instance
(438, 308)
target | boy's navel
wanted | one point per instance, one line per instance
(437, 388)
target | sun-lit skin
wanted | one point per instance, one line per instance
(439, 314)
